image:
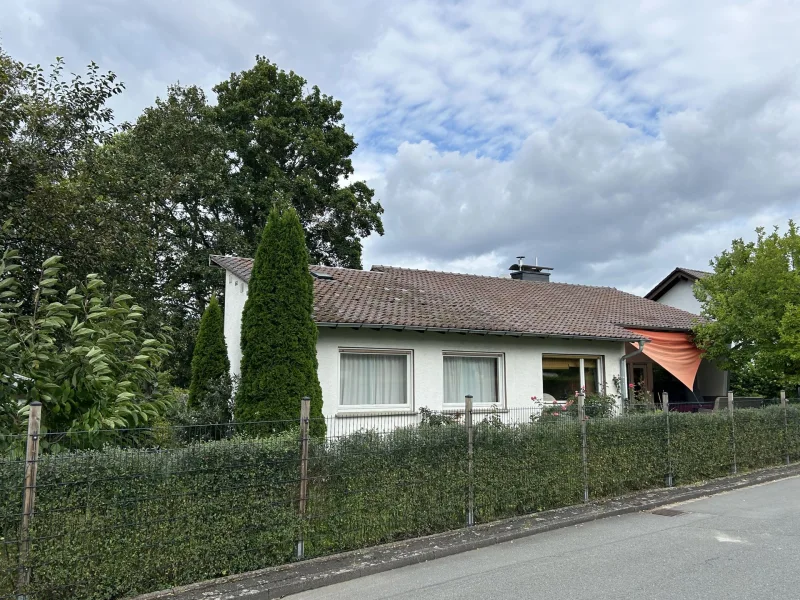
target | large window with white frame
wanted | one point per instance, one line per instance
(478, 375)
(563, 375)
(371, 379)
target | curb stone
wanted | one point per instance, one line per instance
(293, 578)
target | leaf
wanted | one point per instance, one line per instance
(50, 262)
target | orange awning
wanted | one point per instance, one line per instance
(675, 352)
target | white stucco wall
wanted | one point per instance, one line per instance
(522, 361)
(681, 296)
(235, 296)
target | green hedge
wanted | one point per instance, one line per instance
(119, 522)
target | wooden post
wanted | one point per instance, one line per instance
(584, 450)
(785, 424)
(305, 412)
(665, 408)
(29, 493)
(734, 470)
(470, 466)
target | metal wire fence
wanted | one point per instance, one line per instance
(112, 514)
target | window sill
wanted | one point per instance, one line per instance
(476, 410)
(375, 413)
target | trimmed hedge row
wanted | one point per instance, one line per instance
(119, 522)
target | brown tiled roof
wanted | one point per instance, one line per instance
(415, 299)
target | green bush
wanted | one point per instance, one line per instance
(210, 366)
(116, 522)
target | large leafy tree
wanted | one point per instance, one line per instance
(289, 145)
(172, 164)
(279, 336)
(146, 203)
(50, 129)
(210, 366)
(752, 301)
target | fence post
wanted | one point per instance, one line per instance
(665, 408)
(29, 493)
(733, 431)
(584, 456)
(785, 424)
(470, 478)
(305, 412)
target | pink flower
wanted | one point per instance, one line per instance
(555, 402)
(631, 385)
(533, 398)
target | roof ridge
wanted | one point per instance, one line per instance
(500, 277)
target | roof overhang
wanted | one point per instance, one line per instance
(669, 281)
(518, 334)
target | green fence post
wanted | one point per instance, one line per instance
(785, 424)
(734, 469)
(665, 407)
(470, 479)
(584, 450)
(29, 495)
(305, 412)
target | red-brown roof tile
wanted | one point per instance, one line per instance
(419, 299)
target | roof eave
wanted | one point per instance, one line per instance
(377, 326)
(663, 286)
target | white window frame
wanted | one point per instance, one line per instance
(598, 358)
(367, 408)
(501, 378)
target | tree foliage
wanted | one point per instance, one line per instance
(50, 128)
(83, 354)
(146, 203)
(210, 365)
(291, 146)
(752, 301)
(279, 336)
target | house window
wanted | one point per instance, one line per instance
(563, 376)
(374, 379)
(480, 376)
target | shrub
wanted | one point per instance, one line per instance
(210, 366)
(117, 522)
(84, 354)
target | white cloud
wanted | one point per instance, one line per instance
(613, 140)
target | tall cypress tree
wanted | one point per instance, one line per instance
(279, 336)
(210, 364)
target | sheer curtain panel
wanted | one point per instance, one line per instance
(369, 379)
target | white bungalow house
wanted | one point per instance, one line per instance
(392, 340)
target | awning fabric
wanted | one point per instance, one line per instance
(675, 352)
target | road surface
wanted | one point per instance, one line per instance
(738, 545)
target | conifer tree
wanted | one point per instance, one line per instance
(210, 366)
(279, 336)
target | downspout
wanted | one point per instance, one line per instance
(623, 372)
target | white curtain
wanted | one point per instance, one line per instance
(470, 375)
(373, 379)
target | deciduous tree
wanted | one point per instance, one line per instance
(752, 301)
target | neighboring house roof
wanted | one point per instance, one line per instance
(678, 274)
(396, 298)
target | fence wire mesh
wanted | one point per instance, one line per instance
(119, 513)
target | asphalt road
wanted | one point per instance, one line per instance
(739, 545)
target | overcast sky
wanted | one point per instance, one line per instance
(612, 140)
